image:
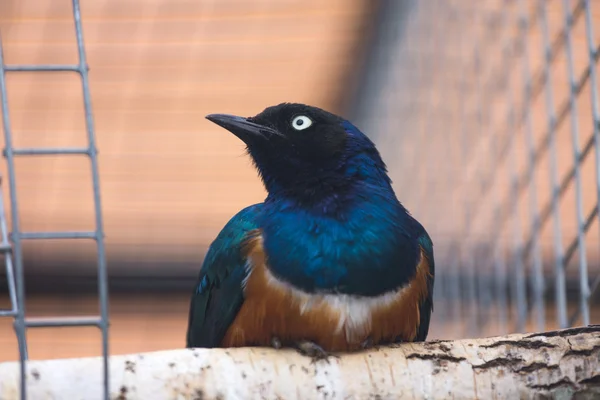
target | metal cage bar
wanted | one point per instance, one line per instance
(538, 277)
(560, 283)
(8, 262)
(584, 286)
(575, 141)
(499, 243)
(21, 323)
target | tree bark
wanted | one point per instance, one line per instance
(559, 364)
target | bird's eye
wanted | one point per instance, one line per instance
(301, 122)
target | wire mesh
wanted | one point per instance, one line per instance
(17, 285)
(479, 150)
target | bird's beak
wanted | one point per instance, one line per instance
(241, 127)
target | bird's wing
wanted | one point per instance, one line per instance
(426, 306)
(218, 295)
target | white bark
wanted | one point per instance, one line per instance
(562, 364)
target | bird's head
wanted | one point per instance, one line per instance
(304, 149)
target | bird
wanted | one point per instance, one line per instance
(330, 261)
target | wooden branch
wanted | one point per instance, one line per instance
(559, 364)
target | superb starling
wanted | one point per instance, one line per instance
(331, 261)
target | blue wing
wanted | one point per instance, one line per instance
(218, 295)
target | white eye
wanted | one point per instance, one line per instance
(301, 122)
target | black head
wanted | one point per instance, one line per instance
(297, 147)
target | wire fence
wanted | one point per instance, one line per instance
(487, 115)
(16, 284)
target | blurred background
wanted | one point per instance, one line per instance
(485, 113)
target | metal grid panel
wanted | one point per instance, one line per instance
(6, 249)
(469, 104)
(16, 282)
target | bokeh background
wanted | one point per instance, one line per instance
(466, 101)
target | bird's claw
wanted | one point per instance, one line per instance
(276, 343)
(306, 348)
(314, 351)
(367, 343)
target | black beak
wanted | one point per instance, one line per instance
(241, 127)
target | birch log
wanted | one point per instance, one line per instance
(560, 364)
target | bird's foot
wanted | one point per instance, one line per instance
(367, 343)
(314, 351)
(276, 343)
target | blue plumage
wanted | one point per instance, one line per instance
(351, 250)
(330, 225)
(217, 296)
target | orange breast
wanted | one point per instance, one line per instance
(335, 322)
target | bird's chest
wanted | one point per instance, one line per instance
(273, 309)
(337, 322)
(326, 254)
